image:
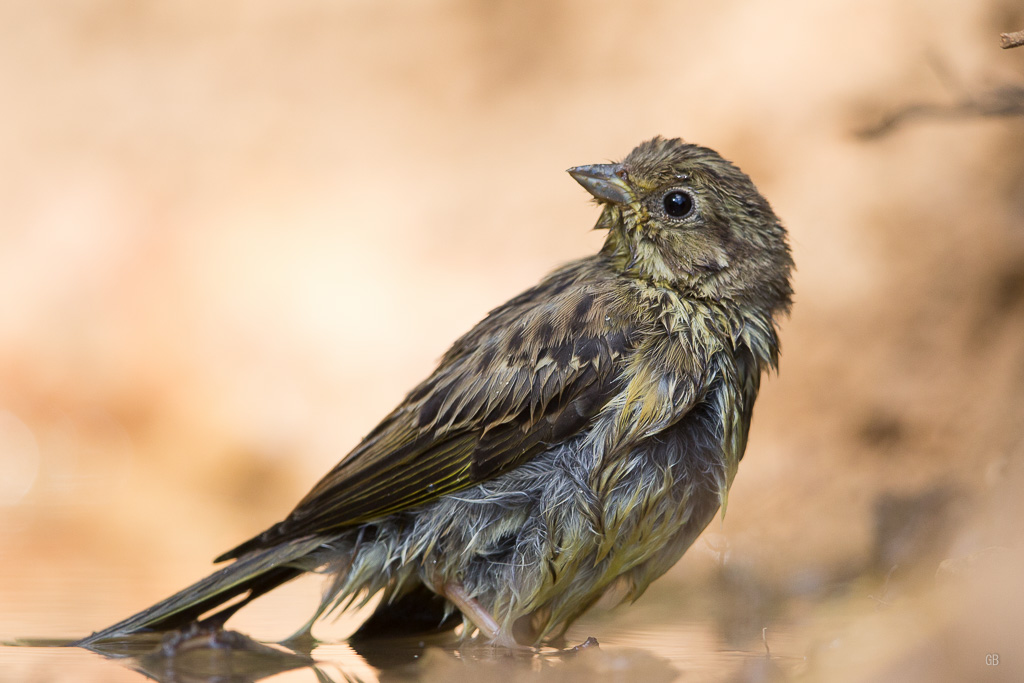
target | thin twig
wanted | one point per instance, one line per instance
(1008, 40)
(1004, 101)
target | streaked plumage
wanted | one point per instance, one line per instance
(582, 434)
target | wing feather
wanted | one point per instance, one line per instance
(528, 376)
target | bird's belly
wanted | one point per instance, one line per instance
(545, 541)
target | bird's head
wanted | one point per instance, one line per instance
(681, 216)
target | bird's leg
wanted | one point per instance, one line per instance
(480, 617)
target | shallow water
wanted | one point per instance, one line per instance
(665, 655)
(649, 641)
(709, 619)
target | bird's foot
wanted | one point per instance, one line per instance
(482, 619)
(492, 631)
(590, 642)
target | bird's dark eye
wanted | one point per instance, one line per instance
(678, 204)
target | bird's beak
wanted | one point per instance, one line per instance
(606, 182)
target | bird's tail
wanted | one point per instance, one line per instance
(254, 574)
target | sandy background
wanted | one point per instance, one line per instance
(234, 235)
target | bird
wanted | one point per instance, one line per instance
(578, 439)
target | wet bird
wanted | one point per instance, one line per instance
(581, 436)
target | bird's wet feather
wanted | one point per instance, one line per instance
(582, 435)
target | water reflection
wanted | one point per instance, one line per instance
(658, 654)
(203, 656)
(198, 655)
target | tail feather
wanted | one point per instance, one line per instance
(255, 573)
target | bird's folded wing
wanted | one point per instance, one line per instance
(516, 384)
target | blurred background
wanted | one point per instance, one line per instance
(234, 235)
